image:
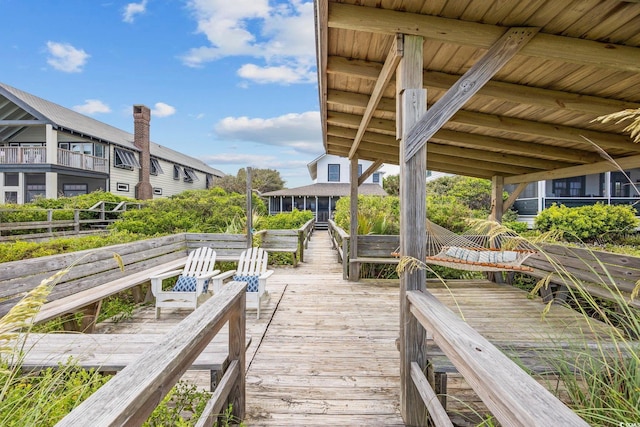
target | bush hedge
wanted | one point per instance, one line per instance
(588, 223)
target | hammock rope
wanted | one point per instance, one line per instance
(474, 252)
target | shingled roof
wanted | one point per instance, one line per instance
(37, 110)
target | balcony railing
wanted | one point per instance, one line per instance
(38, 155)
(22, 155)
(82, 161)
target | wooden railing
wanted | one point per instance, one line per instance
(23, 155)
(511, 394)
(132, 395)
(45, 223)
(340, 242)
(82, 161)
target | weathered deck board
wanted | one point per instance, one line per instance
(324, 352)
(329, 354)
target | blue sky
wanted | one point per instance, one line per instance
(232, 82)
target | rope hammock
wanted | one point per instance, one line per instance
(472, 252)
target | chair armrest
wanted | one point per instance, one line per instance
(166, 274)
(208, 275)
(216, 281)
(266, 274)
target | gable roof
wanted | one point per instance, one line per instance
(577, 60)
(38, 109)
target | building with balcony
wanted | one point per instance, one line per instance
(47, 150)
(330, 174)
(610, 188)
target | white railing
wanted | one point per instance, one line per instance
(82, 161)
(12, 155)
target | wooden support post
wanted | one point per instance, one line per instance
(497, 189)
(237, 351)
(76, 220)
(412, 104)
(354, 268)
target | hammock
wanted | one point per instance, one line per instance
(471, 252)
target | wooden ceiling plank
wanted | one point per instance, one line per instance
(545, 46)
(387, 72)
(480, 73)
(599, 167)
(520, 94)
(509, 159)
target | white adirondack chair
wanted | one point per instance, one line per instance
(252, 268)
(191, 288)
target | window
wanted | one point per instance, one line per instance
(121, 186)
(125, 159)
(11, 197)
(376, 178)
(569, 187)
(177, 172)
(209, 181)
(155, 167)
(71, 190)
(11, 179)
(35, 190)
(190, 175)
(333, 173)
(359, 169)
(157, 191)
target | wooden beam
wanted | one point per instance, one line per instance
(321, 9)
(370, 170)
(488, 143)
(547, 131)
(513, 196)
(480, 73)
(509, 159)
(604, 166)
(478, 35)
(412, 103)
(388, 69)
(518, 94)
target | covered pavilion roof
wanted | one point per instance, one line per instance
(533, 119)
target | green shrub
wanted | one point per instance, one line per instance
(376, 215)
(448, 212)
(199, 211)
(588, 223)
(19, 250)
(285, 220)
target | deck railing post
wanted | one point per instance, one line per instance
(237, 349)
(345, 257)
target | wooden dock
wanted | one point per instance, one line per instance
(323, 351)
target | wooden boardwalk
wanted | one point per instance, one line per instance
(328, 356)
(324, 353)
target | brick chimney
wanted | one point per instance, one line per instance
(141, 125)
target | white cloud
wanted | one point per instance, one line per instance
(281, 35)
(160, 109)
(133, 9)
(299, 131)
(281, 74)
(92, 106)
(64, 57)
(254, 160)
